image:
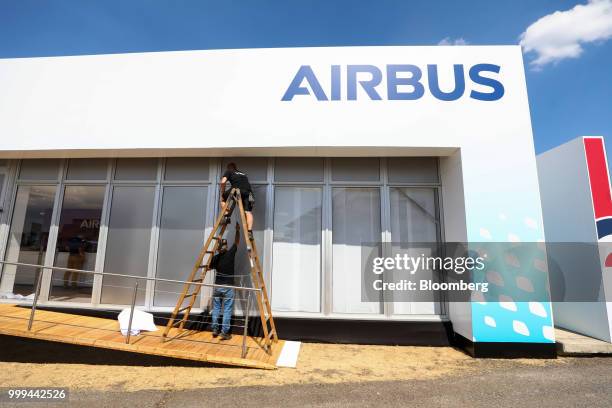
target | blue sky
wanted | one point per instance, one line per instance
(568, 97)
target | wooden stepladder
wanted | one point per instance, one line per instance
(192, 287)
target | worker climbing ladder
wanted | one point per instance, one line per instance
(193, 286)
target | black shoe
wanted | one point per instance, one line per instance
(227, 220)
(251, 235)
(225, 336)
(215, 333)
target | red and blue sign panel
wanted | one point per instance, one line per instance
(599, 179)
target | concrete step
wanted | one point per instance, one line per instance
(571, 344)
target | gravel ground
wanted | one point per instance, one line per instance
(328, 375)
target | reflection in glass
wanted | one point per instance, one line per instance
(356, 222)
(27, 238)
(127, 247)
(183, 220)
(296, 270)
(77, 242)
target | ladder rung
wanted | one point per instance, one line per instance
(210, 252)
(184, 308)
(197, 280)
(191, 294)
(176, 321)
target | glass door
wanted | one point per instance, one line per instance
(28, 238)
(77, 243)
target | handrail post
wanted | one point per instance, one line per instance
(35, 301)
(246, 324)
(129, 332)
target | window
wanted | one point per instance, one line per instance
(40, 169)
(182, 225)
(242, 266)
(255, 167)
(414, 220)
(128, 241)
(298, 169)
(296, 268)
(28, 237)
(326, 212)
(413, 214)
(3, 177)
(136, 169)
(356, 224)
(413, 169)
(354, 169)
(186, 168)
(77, 243)
(87, 169)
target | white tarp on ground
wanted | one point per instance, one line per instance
(140, 321)
(16, 296)
(289, 354)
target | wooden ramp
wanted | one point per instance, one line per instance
(104, 333)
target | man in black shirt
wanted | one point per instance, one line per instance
(240, 180)
(223, 263)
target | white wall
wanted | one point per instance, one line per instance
(564, 189)
(567, 207)
(229, 101)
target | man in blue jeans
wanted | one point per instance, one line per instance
(223, 263)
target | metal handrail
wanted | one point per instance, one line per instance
(212, 285)
(129, 330)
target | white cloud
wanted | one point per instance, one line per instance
(560, 35)
(450, 41)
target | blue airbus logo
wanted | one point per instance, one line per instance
(305, 82)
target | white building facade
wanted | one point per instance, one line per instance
(344, 146)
